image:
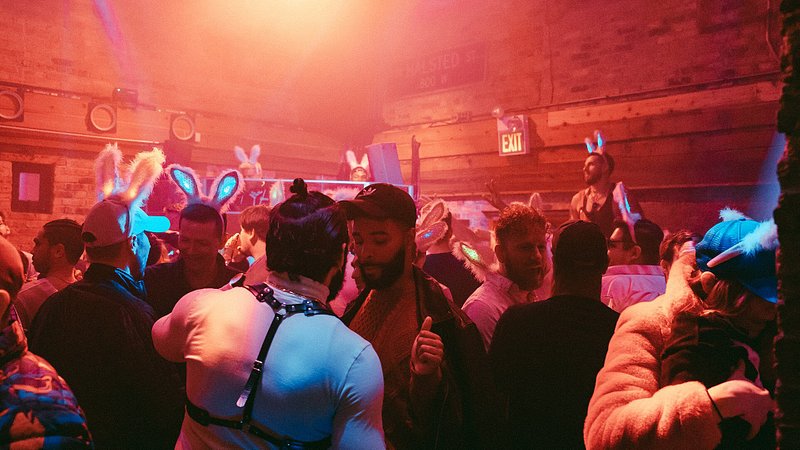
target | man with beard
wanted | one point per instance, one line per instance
(96, 333)
(56, 249)
(600, 202)
(521, 246)
(316, 384)
(430, 352)
(546, 355)
(199, 265)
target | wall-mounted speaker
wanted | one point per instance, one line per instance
(181, 127)
(101, 118)
(12, 105)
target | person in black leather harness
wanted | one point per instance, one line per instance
(306, 381)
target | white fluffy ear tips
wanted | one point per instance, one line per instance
(365, 162)
(145, 170)
(351, 159)
(106, 168)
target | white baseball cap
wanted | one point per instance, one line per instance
(111, 221)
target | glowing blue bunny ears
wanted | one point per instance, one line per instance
(226, 187)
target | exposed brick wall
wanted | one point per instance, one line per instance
(74, 188)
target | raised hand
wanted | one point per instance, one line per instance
(427, 352)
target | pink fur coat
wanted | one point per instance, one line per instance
(629, 408)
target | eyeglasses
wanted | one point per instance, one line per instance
(615, 243)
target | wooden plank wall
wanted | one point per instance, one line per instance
(683, 156)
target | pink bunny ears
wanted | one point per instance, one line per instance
(226, 187)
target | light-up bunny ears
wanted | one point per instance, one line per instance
(249, 166)
(431, 225)
(226, 187)
(601, 143)
(135, 183)
(358, 171)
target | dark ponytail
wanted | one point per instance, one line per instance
(306, 234)
(299, 188)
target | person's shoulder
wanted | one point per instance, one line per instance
(161, 269)
(54, 408)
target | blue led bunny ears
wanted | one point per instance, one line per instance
(226, 187)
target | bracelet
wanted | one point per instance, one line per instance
(716, 408)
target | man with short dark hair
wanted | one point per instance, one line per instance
(199, 263)
(96, 332)
(521, 249)
(56, 249)
(316, 384)
(546, 355)
(634, 274)
(430, 352)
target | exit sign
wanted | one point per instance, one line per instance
(512, 135)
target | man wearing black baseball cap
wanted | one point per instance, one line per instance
(545, 355)
(426, 345)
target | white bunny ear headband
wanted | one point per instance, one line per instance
(248, 164)
(350, 155)
(135, 183)
(226, 187)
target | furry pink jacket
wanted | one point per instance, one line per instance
(629, 408)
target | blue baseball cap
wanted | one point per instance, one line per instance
(755, 270)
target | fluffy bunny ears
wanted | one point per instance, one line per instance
(134, 184)
(601, 143)
(431, 225)
(226, 187)
(249, 166)
(358, 171)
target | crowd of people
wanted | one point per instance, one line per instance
(359, 323)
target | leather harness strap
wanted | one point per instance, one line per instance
(263, 294)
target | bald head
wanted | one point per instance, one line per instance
(11, 273)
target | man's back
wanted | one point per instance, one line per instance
(545, 357)
(320, 379)
(96, 333)
(448, 270)
(166, 283)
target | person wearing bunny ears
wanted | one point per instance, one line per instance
(201, 236)
(602, 201)
(249, 165)
(96, 332)
(434, 233)
(521, 249)
(315, 385)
